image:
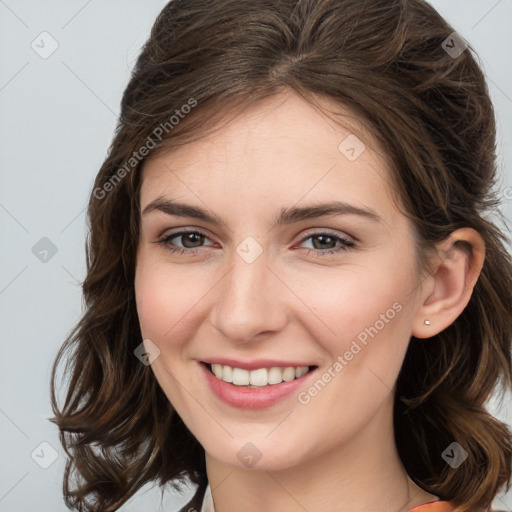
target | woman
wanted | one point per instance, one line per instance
(295, 297)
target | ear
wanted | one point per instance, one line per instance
(461, 258)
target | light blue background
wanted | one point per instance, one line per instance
(57, 117)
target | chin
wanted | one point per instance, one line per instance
(257, 456)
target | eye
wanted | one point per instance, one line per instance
(325, 243)
(191, 241)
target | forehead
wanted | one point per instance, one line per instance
(281, 149)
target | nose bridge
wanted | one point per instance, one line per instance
(249, 303)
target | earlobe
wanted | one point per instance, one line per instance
(461, 258)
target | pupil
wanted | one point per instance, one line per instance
(324, 238)
(189, 238)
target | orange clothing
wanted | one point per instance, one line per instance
(434, 506)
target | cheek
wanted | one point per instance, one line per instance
(160, 302)
(363, 321)
(169, 303)
(349, 302)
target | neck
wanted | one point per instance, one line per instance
(363, 473)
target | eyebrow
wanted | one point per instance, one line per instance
(285, 216)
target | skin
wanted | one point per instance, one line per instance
(337, 452)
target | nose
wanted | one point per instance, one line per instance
(250, 301)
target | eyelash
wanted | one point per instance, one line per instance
(347, 245)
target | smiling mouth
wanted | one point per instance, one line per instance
(261, 377)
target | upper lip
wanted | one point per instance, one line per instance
(255, 363)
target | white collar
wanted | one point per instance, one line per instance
(207, 505)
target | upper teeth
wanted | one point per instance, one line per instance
(259, 377)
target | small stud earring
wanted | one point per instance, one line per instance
(427, 322)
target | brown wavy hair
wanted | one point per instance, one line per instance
(385, 61)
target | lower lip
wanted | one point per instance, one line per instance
(251, 398)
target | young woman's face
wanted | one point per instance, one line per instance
(309, 264)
